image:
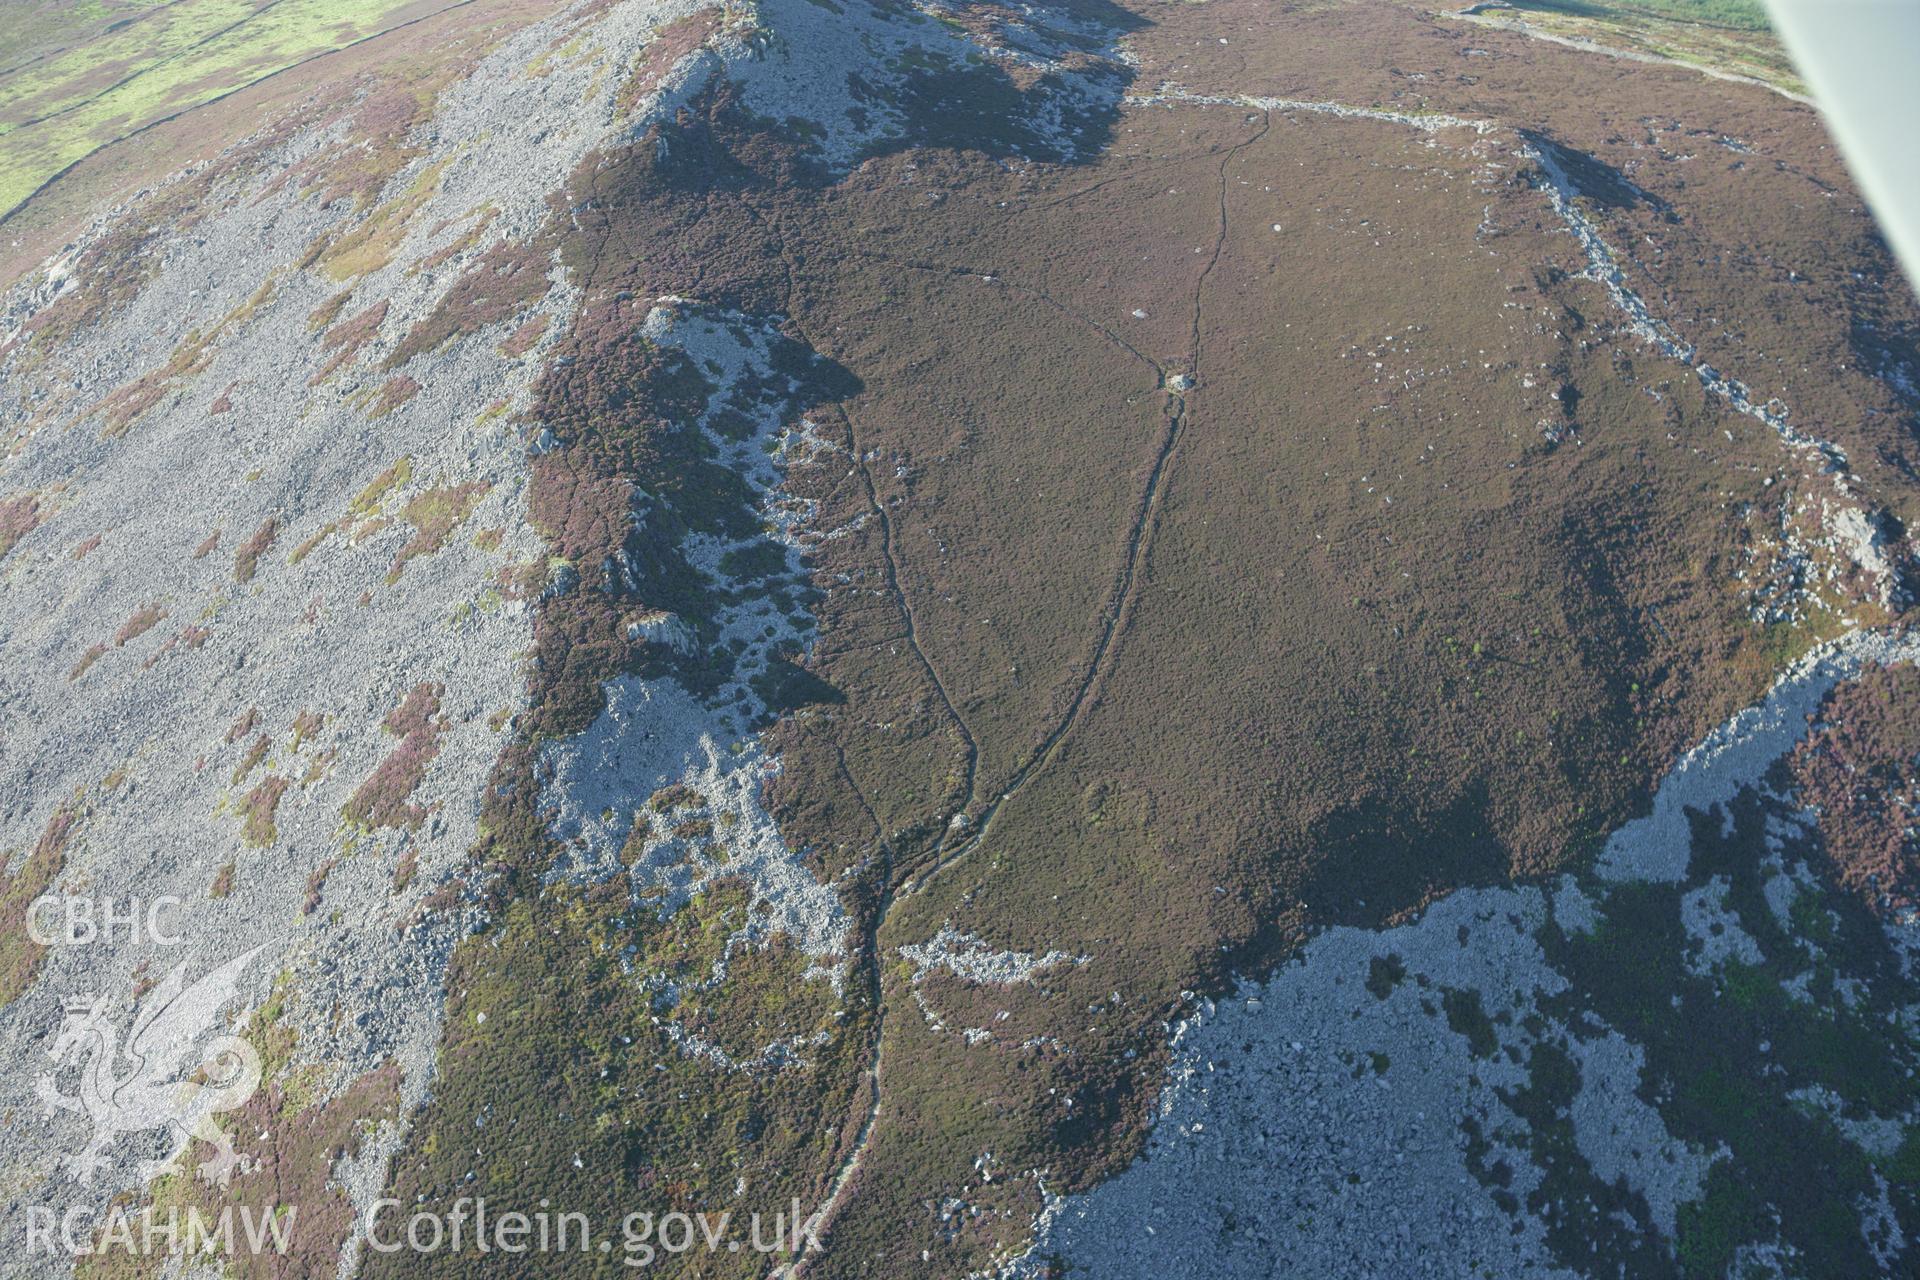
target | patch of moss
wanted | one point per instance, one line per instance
(309, 543)
(141, 621)
(255, 753)
(19, 953)
(1467, 1017)
(19, 516)
(93, 654)
(368, 501)
(258, 809)
(393, 393)
(676, 796)
(371, 243)
(434, 516)
(246, 560)
(306, 725)
(383, 799)
(1384, 973)
(406, 869)
(505, 280)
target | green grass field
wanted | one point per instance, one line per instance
(1737, 15)
(97, 73)
(1729, 36)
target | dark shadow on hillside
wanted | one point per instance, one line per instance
(1377, 856)
(1005, 107)
(1593, 178)
(1725, 15)
(1040, 82)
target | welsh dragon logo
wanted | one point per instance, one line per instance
(159, 1080)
